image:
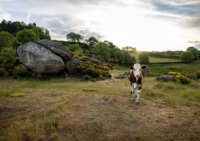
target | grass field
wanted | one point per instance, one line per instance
(69, 109)
(163, 69)
(182, 68)
(162, 60)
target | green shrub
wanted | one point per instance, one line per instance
(8, 54)
(198, 74)
(86, 77)
(17, 71)
(27, 35)
(93, 68)
(75, 48)
(9, 63)
(7, 40)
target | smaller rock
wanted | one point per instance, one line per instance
(71, 65)
(166, 78)
(100, 58)
(192, 77)
(146, 71)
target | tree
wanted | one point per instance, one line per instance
(143, 58)
(129, 60)
(18, 26)
(110, 44)
(92, 41)
(101, 49)
(40, 31)
(194, 51)
(7, 40)
(73, 37)
(27, 35)
(14, 27)
(119, 56)
(112, 52)
(187, 57)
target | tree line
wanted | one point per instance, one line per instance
(12, 34)
(105, 48)
(190, 55)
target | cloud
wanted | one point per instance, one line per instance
(188, 12)
(60, 26)
(4, 15)
(197, 46)
(145, 24)
(28, 16)
(196, 42)
(193, 22)
(178, 7)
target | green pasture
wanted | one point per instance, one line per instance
(156, 59)
(163, 69)
(184, 69)
(162, 60)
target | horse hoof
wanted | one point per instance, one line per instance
(137, 103)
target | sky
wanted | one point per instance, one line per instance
(148, 25)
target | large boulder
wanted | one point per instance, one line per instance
(56, 48)
(72, 64)
(39, 59)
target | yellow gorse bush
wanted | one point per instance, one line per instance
(17, 71)
(17, 94)
(180, 78)
(174, 73)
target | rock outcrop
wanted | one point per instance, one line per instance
(57, 49)
(39, 59)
